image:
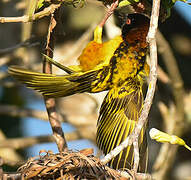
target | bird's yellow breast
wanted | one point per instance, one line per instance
(129, 62)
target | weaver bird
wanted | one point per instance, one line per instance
(118, 65)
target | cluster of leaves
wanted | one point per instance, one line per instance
(166, 5)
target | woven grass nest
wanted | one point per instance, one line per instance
(68, 165)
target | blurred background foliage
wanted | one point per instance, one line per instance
(75, 29)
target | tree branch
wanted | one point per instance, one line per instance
(50, 102)
(19, 143)
(15, 111)
(26, 18)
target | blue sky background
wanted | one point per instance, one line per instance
(34, 127)
(184, 9)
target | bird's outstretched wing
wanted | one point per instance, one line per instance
(119, 114)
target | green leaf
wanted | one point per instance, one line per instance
(127, 2)
(40, 4)
(178, 0)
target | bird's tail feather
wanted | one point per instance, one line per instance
(51, 85)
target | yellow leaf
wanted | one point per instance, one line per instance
(163, 137)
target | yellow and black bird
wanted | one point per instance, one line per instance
(118, 65)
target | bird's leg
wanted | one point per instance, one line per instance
(98, 34)
(110, 11)
(99, 28)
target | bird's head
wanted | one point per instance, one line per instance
(135, 28)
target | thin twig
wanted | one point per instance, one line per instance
(20, 143)
(162, 76)
(150, 92)
(136, 155)
(50, 102)
(15, 111)
(84, 123)
(109, 12)
(22, 44)
(153, 72)
(26, 31)
(45, 12)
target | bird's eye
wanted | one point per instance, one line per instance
(128, 21)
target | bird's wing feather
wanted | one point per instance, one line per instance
(118, 116)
